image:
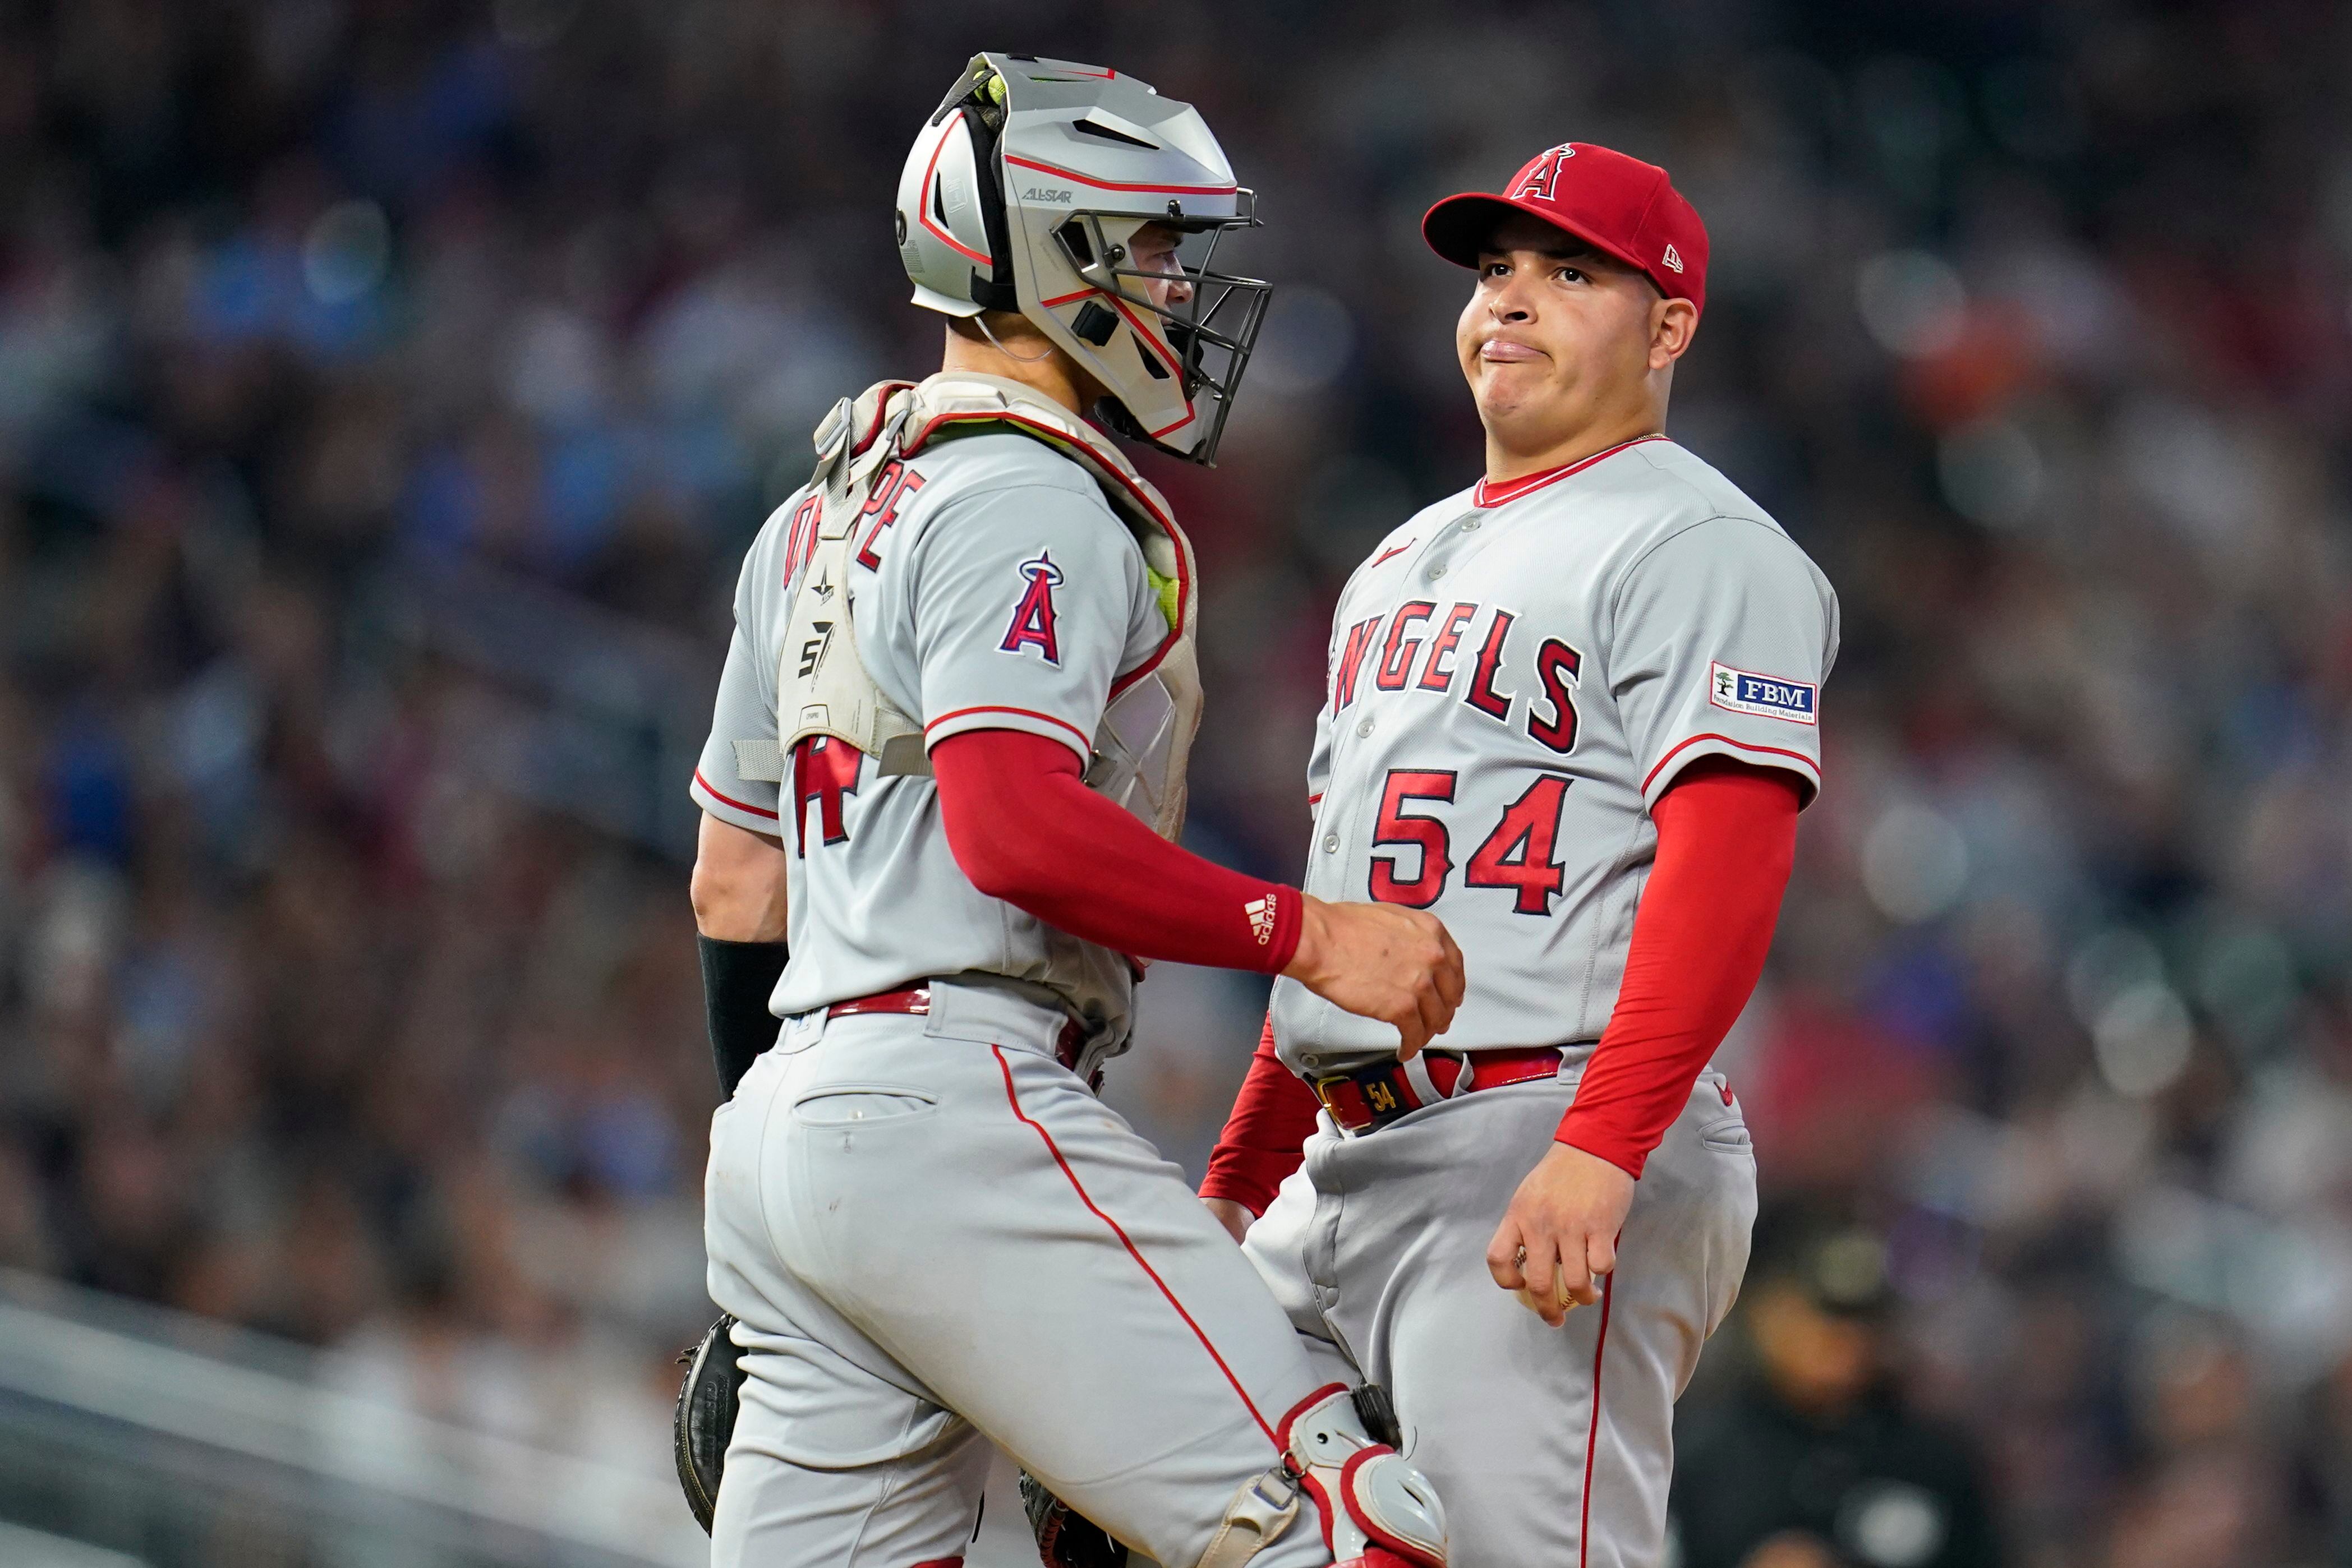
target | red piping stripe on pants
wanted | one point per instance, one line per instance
(1592, 1432)
(1014, 1100)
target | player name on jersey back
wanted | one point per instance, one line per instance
(991, 588)
(1511, 687)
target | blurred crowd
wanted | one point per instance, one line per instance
(387, 392)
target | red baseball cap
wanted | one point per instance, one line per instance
(1619, 205)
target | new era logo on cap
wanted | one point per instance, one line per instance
(1670, 258)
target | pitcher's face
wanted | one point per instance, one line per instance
(1555, 331)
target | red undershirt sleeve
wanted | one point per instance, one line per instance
(1726, 838)
(1025, 829)
(1265, 1135)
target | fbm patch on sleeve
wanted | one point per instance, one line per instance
(1765, 696)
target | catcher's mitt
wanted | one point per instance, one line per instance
(1066, 1538)
(706, 1417)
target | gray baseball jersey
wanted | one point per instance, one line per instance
(994, 588)
(1517, 673)
(1515, 676)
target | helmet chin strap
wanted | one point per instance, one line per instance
(999, 348)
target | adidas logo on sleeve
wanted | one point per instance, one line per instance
(1261, 918)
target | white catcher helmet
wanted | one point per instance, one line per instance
(1024, 194)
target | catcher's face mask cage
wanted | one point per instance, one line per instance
(1210, 325)
(1026, 193)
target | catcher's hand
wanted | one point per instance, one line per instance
(706, 1403)
(1066, 1538)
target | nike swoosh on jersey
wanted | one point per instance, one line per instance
(1386, 553)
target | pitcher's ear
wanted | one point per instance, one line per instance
(1673, 324)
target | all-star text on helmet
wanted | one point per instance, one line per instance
(1025, 193)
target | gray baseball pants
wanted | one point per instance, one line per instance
(1550, 1447)
(936, 1238)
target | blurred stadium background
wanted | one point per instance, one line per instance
(388, 388)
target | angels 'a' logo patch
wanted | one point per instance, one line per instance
(1035, 618)
(1536, 179)
(1765, 696)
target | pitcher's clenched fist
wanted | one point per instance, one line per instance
(1559, 1239)
(1377, 961)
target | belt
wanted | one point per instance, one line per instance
(913, 1000)
(1371, 1097)
(917, 999)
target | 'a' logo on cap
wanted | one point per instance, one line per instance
(1540, 176)
(1670, 259)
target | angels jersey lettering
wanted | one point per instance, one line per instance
(1512, 685)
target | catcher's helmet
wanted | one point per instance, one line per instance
(1023, 193)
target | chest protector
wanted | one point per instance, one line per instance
(822, 685)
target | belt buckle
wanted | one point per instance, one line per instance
(1376, 1086)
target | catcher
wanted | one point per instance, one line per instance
(946, 768)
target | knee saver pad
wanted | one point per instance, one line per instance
(1373, 1506)
(1370, 1499)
